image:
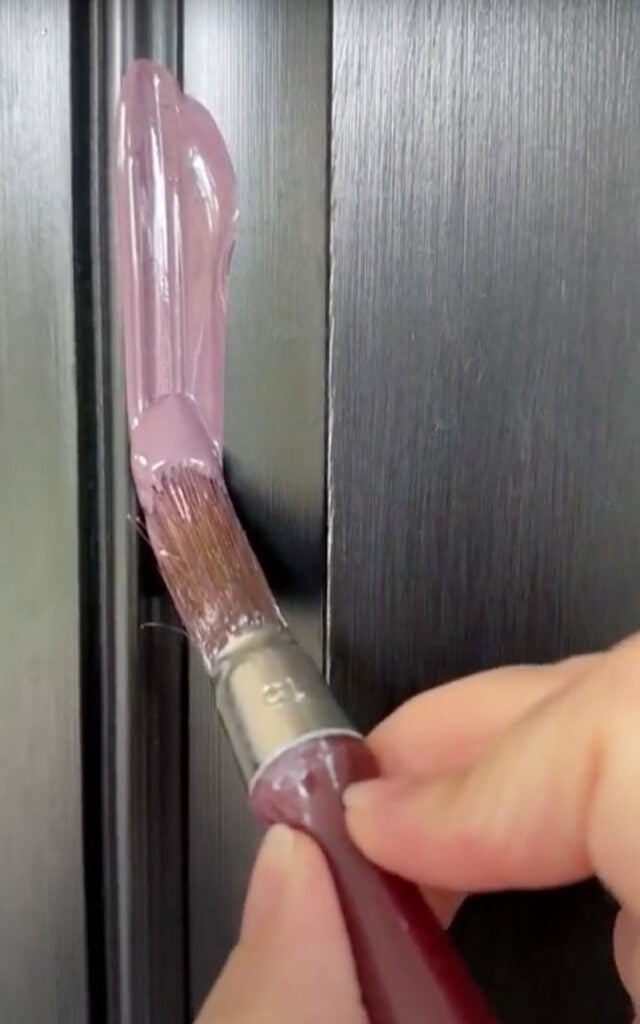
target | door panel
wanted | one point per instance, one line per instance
(42, 926)
(484, 470)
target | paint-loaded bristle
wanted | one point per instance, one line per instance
(207, 562)
(175, 226)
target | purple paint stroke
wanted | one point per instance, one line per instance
(176, 216)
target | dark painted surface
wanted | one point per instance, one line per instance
(484, 428)
(43, 955)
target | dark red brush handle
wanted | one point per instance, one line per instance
(408, 971)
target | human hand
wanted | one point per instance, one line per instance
(516, 778)
(292, 964)
(520, 777)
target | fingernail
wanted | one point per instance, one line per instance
(375, 793)
(269, 880)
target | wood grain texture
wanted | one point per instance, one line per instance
(42, 929)
(262, 69)
(484, 467)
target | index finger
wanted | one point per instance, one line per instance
(447, 729)
(555, 799)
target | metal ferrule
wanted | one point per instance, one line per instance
(270, 696)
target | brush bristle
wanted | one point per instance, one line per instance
(211, 572)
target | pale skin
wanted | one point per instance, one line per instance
(521, 777)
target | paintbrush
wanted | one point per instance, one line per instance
(175, 228)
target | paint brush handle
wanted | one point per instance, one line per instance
(298, 753)
(408, 971)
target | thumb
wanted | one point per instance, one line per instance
(292, 962)
(555, 799)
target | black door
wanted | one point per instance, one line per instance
(433, 438)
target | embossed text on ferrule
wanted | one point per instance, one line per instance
(283, 692)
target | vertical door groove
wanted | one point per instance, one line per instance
(135, 710)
